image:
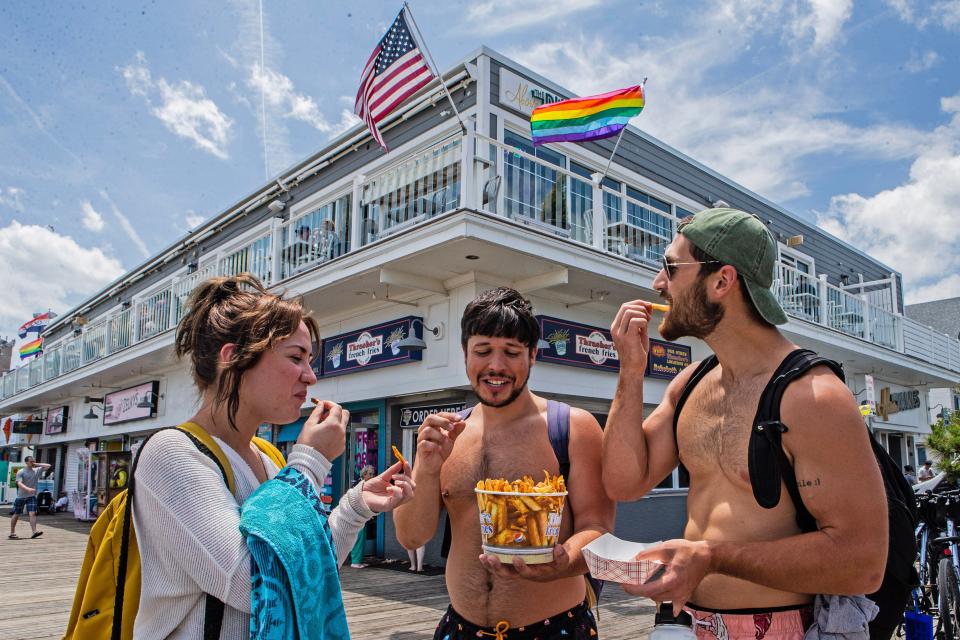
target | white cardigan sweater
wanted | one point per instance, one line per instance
(187, 527)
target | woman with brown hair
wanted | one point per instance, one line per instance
(250, 353)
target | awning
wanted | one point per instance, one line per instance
(290, 432)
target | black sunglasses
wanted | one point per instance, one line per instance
(670, 267)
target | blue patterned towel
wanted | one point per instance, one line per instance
(295, 593)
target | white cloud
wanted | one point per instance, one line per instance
(92, 219)
(487, 18)
(919, 62)
(10, 197)
(912, 227)
(183, 108)
(126, 225)
(46, 270)
(280, 95)
(825, 20)
(193, 220)
(922, 13)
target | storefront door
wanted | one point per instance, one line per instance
(365, 447)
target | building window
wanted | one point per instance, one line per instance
(534, 190)
(679, 478)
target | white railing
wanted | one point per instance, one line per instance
(635, 230)
(411, 192)
(315, 237)
(480, 173)
(94, 340)
(927, 344)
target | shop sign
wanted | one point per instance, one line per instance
(518, 94)
(411, 417)
(28, 426)
(56, 420)
(369, 348)
(122, 406)
(896, 401)
(871, 392)
(581, 345)
(577, 345)
(667, 359)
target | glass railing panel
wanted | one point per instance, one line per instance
(252, 258)
(120, 330)
(51, 363)
(418, 189)
(9, 384)
(183, 287)
(798, 293)
(153, 314)
(316, 237)
(23, 378)
(634, 230)
(71, 354)
(883, 327)
(35, 368)
(580, 209)
(845, 312)
(95, 341)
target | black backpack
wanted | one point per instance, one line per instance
(558, 430)
(769, 465)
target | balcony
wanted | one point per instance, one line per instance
(481, 174)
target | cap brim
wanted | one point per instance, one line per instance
(766, 303)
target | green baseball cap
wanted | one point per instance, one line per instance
(741, 240)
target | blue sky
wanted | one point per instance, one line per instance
(123, 124)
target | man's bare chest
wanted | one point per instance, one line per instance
(713, 432)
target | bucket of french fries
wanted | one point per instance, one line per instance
(521, 518)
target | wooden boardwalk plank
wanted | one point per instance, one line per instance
(41, 575)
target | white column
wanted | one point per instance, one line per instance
(356, 224)
(599, 217)
(822, 290)
(468, 187)
(867, 329)
(276, 250)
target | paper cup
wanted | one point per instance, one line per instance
(520, 524)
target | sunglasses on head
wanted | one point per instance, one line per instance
(669, 267)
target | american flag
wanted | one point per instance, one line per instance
(395, 71)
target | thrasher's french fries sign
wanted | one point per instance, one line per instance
(521, 515)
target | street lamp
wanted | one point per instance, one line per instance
(413, 343)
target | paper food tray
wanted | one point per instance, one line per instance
(610, 558)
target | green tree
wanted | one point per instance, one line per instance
(945, 441)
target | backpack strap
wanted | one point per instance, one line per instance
(767, 461)
(706, 365)
(270, 451)
(558, 430)
(213, 614)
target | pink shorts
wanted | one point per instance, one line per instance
(781, 623)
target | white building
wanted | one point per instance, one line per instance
(418, 233)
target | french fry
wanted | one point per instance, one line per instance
(662, 308)
(399, 456)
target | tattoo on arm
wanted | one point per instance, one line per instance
(808, 483)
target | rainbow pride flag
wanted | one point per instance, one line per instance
(589, 118)
(31, 349)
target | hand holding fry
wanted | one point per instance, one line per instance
(326, 429)
(390, 489)
(435, 439)
(630, 333)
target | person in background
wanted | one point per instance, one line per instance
(909, 474)
(27, 496)
(926, 471)
(356, 554)
(416, 558)
(62, 502)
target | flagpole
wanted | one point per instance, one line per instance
(436, 71)
(610, 161)
(617, 144)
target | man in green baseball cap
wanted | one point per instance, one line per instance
(747, 563)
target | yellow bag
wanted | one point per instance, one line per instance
(110, 575)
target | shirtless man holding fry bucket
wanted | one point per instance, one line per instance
(505, 438)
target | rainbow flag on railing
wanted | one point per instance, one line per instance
(34, 348)
(589, 118)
